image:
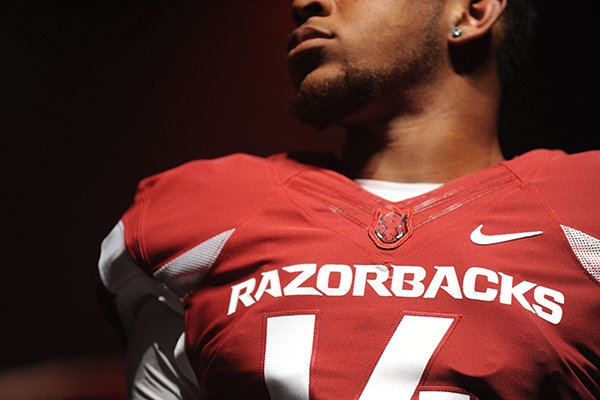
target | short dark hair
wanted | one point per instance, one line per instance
(519, 22)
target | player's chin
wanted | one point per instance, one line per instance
(304, 64)
(317, 102)
(310, 114)
(328, 95)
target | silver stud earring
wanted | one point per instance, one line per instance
(457, 32)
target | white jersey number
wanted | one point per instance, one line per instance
(289, 347)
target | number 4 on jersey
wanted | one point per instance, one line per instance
(289, 347)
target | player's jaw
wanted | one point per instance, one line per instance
(343, 55)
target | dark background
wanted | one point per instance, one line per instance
(98, 95)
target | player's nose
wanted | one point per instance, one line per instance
(302, 10)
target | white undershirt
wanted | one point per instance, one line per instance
(396, 191)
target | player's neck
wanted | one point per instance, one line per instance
(449, 137)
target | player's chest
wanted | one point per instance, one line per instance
(342, 331)
(305, 303)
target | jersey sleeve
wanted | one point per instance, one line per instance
(155, 368)
(156, 363)
(162, 247)
(123, 278)
(176, 227)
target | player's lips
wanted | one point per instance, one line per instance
(305, 38)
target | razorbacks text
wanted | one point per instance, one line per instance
(477, 283)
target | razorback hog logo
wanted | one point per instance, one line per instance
(391, 227)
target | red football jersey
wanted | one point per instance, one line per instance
(299, 284)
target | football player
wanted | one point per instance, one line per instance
(422, 265)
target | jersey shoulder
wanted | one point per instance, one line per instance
(566, 183)
(191, 203)
(180, 219)
(556, 164)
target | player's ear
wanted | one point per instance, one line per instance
(475, 20)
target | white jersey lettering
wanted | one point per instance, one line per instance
(335, 280)
(324, 281)
(417, 288)
(541, 295)
(269, 284)
(241, 292)
(452, 287)
(470, 284)
(508, 291)
(306, 271)
(381, 273)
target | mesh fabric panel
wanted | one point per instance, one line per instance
(184, 273)
(586, 248)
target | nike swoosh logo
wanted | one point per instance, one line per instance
(482, 239)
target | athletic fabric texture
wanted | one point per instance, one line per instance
(310, 268)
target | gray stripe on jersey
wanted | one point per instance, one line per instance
(184, 273)
(586, 248)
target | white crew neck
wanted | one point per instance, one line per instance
(396, 191)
